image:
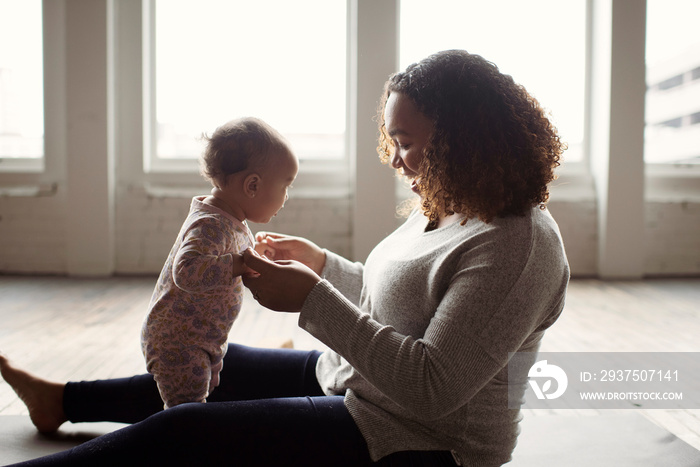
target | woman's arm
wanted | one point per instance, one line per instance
(464, 346)
(494, 300)
(345, 275)
(430, 377)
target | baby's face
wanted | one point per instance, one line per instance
(277, 178)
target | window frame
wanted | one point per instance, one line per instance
(37, 165)
(673, 88)
(23, 164)
(579, 170)
(316, 178)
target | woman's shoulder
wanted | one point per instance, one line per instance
(509, 232)
(516, 238)
(534, 221)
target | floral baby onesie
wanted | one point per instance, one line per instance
(195, 302)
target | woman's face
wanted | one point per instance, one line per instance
(409, 131)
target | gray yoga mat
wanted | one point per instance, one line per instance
(615, 440)
(19, 440)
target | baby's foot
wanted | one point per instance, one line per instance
(43, 398)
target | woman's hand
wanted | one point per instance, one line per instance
(238, 266)
(280, 285)
(286, 247)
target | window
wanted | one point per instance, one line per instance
(215, 60)
(21, 85)
(673, 88)
(541, 44)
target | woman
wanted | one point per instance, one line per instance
(420, 335)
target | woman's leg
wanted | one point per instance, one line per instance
(248, 373)
(288, 431)
(296, 431)
(256, 373)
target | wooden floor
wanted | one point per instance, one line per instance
(73, 329)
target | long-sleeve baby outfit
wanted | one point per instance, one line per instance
(420, 335)
(194, 304)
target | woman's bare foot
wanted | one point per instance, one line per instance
(43, 398)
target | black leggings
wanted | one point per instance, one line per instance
(267, 410)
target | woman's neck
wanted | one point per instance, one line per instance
(445, 220)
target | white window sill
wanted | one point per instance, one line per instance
(316, 179)
(21, 165)
(29, 191)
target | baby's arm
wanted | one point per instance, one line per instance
(202, 263)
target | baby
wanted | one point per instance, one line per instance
(199, 291)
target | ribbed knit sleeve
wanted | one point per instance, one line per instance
(428, 377)
(345, 275)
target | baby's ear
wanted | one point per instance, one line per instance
(251, 185)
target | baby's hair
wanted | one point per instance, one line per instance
(238, 145)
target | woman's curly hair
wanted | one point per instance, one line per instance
(493, 150)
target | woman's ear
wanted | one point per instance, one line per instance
(251, 185)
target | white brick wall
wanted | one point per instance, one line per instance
(32, 236)
(148, 225)
(672, 236)
(578, 224)
(323, 221)
(32, 232)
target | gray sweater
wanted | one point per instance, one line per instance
(420, 335)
